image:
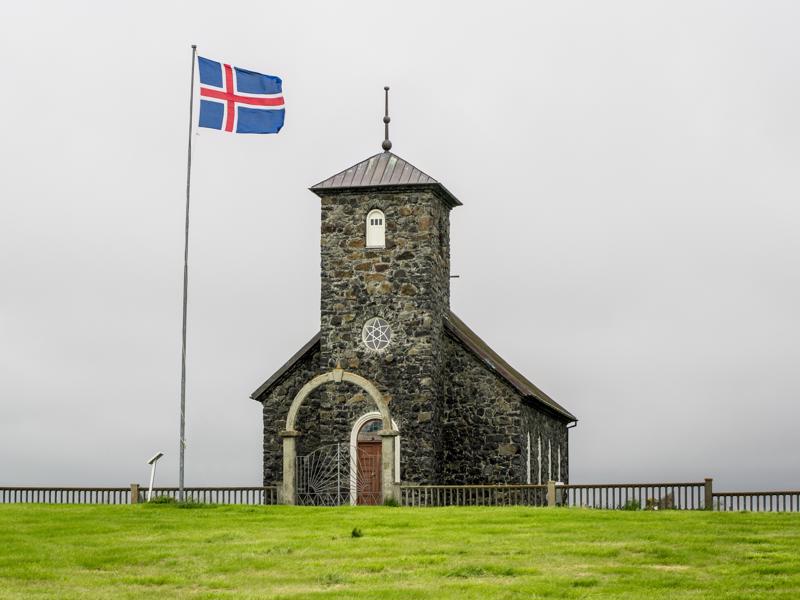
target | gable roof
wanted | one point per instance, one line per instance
(383, 170)
(277, 375)
(458, 329)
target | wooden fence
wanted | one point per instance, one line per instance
(625, 496)
(785, 501)
(65, 495)
(217, 495)
(134, 494)
(636, 496)
(473, 495)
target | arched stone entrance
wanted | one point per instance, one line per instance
(290, 435)
(354, 443)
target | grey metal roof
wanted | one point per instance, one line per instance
(490, 358)
(382, 170)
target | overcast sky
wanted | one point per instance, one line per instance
(628, 240)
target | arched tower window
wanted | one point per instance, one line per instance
(376, 229)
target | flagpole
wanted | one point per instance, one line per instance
(182, 441)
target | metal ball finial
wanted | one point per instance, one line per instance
(386, 145)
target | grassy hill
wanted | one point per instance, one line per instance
(162, 551)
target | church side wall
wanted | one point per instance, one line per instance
(549, 440)
(486, 425)
(482, 425)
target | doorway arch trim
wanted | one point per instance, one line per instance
(389, 488)
(360, 422)
(337, 376)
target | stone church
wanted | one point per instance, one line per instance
(394, 388)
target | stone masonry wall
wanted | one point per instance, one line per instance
(481, 425)
(275, 408)
(485, 425)
(407, 284)
(326, 416)
(548, 436)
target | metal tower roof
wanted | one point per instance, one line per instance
(382, 170)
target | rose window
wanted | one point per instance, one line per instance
(376, 334)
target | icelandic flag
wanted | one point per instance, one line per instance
(238, 100)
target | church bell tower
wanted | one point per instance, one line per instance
(385, 290)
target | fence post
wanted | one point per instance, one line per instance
(134, 493)
(551, 493)
(709, 496)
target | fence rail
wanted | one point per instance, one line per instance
(218, 495)
(781, 501)
(631, 496)
(473, 495)
(133, 494)
(634, 496)
(64, 495)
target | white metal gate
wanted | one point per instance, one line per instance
(329, 475)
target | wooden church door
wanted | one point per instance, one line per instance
(369, 463)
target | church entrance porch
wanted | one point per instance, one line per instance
(342, 473)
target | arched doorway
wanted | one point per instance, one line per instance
(366, 443)
(368, 463)
(389, 489)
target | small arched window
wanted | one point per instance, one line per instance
(376, 229)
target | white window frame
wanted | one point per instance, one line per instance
(528, 462)
(539, 458)
(375, 234)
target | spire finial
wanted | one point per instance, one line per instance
(386, 145)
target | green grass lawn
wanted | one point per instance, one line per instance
(162, 551)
